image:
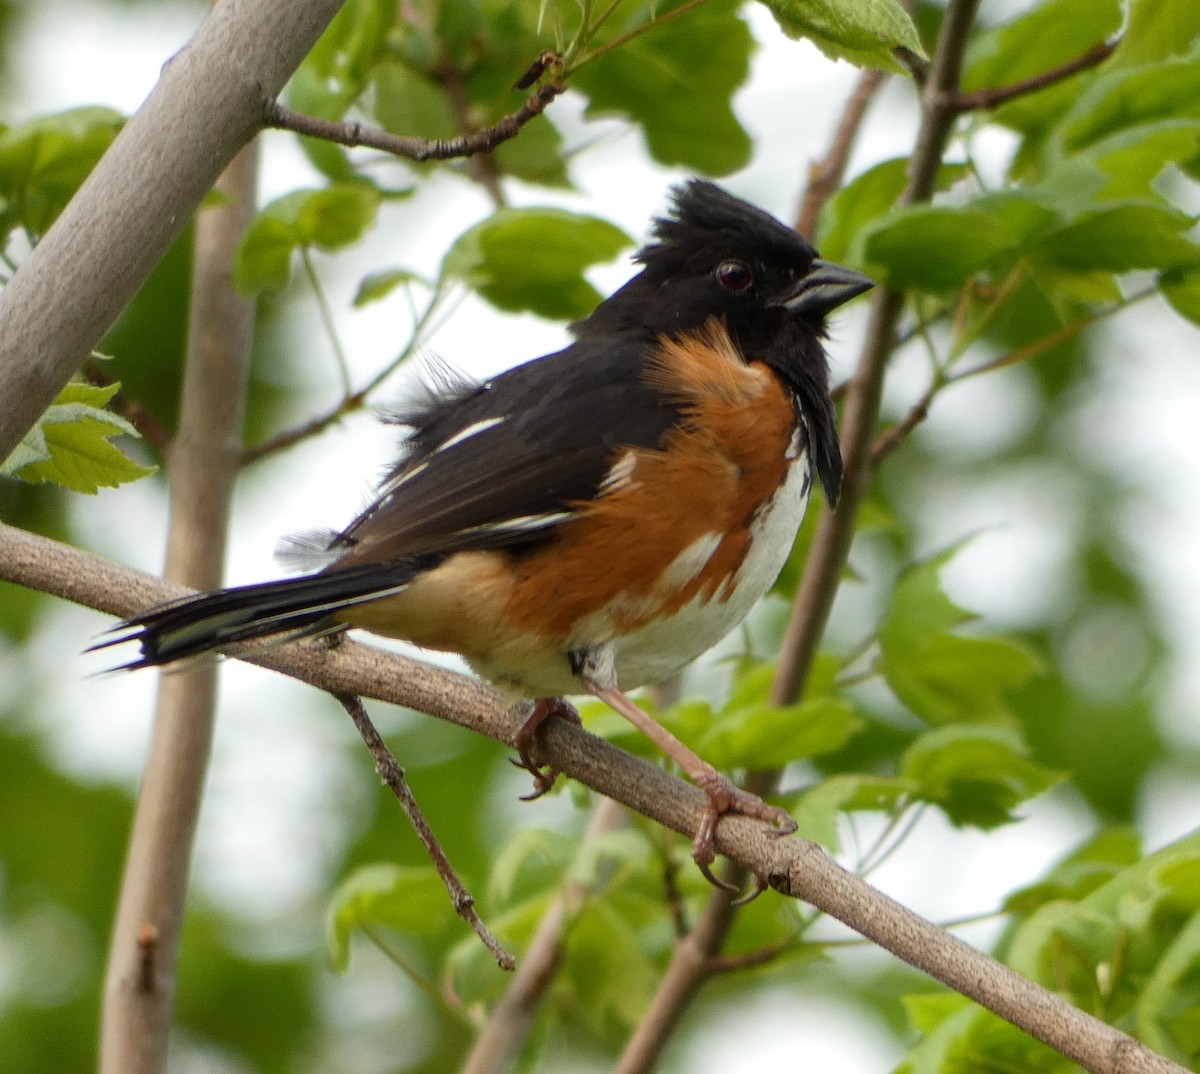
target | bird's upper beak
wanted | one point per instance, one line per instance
(826, 287)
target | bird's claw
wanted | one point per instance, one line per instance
(543, 777)
(724, 797)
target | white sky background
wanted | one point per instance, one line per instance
(277, 792)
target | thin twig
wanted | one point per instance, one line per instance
(637, 31)
(418, 149)
(825, 176)
(732, 963)
(393, 776)
(980, 100)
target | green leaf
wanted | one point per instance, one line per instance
(43, 162)
(329, 218)
(607, 969)
(938, 248)
(1084, 870)
(535, 155)
(410, 103)
(770, 736)
(975, 775)
(862, 31)
(532, 860)
(944, 677)
(378, 285)
(817, 810)
(683, 106)
(1156, 29)
(1131, 97)
(1181, 287)
(533, 259)
(1120, 238)
(856, 206)
(70, 444)
(408, 900)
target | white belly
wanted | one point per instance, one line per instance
(665, 647)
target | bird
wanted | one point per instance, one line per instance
(595, 519)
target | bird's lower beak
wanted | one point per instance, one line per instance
(826, 287)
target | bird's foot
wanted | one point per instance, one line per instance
(542, 710)
(726, 797)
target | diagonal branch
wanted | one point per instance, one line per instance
(983, 99)
(793, 866)
(393, 776)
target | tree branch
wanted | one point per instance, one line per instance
(392, 774)
(205, 456)
(353, 135)
(793, 866)
(206, 106)
(825, 176)
(983, 99)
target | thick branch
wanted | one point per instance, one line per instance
(793, 866)
(205, 457)
(206, 106)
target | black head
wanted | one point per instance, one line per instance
(718, 256)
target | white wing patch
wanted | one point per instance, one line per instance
(620, 475)
(471, 430)
(520, 524)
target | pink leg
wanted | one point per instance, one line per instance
(723, 796)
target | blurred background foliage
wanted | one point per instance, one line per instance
(1016, 337)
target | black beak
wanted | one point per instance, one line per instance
(826, 287)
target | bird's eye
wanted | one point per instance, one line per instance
(734, 275)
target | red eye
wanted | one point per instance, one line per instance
(734, 275)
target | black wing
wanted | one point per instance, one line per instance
(501, 463)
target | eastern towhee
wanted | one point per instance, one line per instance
(595, 519)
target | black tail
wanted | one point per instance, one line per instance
(208, 622)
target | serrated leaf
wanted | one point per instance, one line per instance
(70, 444)
(328, 218)
(683, 107)
(409, 900)
(862, 31)
(533, 260)
(975, 775)
(378, 285)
